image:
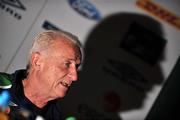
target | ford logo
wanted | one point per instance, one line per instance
(85, 8)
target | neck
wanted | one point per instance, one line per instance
(31, 91)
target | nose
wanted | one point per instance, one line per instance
(73, 73)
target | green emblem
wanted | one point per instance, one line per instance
(5, 81)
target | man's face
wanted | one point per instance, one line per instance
(59, 68)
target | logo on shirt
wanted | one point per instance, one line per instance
(85, 8)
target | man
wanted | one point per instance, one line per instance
(53, 62)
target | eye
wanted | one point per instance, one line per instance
(67, 64)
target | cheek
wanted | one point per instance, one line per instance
(61, 71)
(48, 74)
(55, 74)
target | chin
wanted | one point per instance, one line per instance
(61, 95)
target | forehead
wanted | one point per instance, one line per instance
(66, 49)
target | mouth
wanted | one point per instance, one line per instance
(65, 84)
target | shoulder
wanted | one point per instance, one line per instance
(54, 104)
(52, 111)
(5, 80)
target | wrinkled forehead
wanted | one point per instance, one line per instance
(64, 47)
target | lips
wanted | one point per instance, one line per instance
(65, 84)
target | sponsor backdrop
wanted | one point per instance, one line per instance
(130, 49)
(17, 19)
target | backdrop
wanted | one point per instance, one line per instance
(130, 49)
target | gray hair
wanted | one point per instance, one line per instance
(43, 40)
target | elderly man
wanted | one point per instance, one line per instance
(52, 68)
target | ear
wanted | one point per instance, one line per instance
(36, 60)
